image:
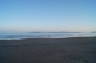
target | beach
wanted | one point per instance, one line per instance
(49, 50)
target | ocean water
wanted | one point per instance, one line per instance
(19, 36)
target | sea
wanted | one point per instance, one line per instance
(22, 35)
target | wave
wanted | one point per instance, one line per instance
(19, 36)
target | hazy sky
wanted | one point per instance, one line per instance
(48, 15)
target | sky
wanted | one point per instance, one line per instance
(48, 15)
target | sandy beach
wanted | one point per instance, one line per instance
(49, 50)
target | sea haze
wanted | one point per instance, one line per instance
(21, 35)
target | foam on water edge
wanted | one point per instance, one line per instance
(21, 36)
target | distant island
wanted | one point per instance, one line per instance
(54, 32)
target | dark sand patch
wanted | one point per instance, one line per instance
(49, 50)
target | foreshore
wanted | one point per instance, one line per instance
(49, 50)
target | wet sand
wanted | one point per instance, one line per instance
(49, 50)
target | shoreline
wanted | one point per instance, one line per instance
(47, 38)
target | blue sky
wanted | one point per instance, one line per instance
(48, 15)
